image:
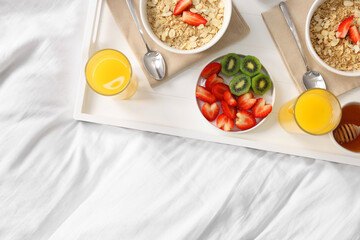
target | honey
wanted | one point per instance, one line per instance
(351, 114)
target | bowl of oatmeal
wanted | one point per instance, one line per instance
(185, 26)
(331, 35)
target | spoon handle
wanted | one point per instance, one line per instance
(290, 23)
(135, 17)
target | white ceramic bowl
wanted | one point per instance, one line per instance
(269, 97)
(227, 17)
(311, 49)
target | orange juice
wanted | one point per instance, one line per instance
(316, 111)
(286, 117)
(108, 72)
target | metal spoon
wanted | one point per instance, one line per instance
(153, 61)
(311, 79)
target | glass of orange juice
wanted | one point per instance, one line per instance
(316, 111)
(109, 73)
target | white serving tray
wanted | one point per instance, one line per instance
(171, 108)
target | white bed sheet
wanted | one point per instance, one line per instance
(64, 179)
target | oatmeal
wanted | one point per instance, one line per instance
(171, 29)
(340, 53)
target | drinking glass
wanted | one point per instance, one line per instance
(109, 73)
(316, 111)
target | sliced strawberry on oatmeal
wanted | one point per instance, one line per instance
(354, 34)
(224, 122)
(261, 109)
(210, 69)
(193, 18)
(204, 95)
(219, 89)
(228, 110)
(245, 120)
(344, 27)
(230, 99)
(246, 101)
(212, 80)
(181, 6)
(210, 112)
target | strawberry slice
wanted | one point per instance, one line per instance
(181, 6)
(246, 101)
(212, 80)
(219, 89)
(245, 120)
(261, 109)
(210, 112)
(354, 34)
(193, 18)
(230, 99)
(204, 95)
(224, 122)
(344, 27)
(210, 69)
(228, 110)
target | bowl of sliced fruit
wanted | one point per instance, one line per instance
(235, 93)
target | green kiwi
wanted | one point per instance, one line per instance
(250, 65)
(240, 84)
(260, 84)
(230, 64)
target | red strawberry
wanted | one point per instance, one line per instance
(224, 122)
(246, 101)
(344, 27)
(204, 94)
(181, 6)
(193, 18)
(210, 112)
(210, 69)
(229, 99)
(212, 80)
(219, 89)
(261, 109)
(228, 110)
(354, 34)
(245, 120)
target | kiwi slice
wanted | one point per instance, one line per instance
(240, 84)
(260, 84)
(230, 64)
(250, 65)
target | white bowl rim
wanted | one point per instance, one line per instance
(213, 41)
(312, 50)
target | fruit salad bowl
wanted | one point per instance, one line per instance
(235, 93)
(166, 27)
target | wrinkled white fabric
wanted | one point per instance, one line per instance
(64, 179)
